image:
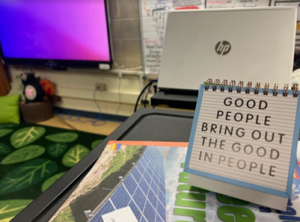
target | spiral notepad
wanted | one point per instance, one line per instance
(245, 136)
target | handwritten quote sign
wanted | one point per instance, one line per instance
(153, 23)
(245, 137)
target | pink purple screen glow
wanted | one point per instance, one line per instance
(54, 29)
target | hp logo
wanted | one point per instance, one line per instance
(223, 48)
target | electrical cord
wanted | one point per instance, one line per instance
(155, 88)
(120, 101)
(64, 122)
(142, 92)
(146, 96)
(119, 87)
(93, 121)
(128, 69)
(148, 91)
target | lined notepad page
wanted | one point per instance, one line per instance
(260, 147)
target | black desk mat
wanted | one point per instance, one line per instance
(144, 125)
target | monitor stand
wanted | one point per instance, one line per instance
(175, 98)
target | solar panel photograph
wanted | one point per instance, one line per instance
(143, 190)
(108, 173)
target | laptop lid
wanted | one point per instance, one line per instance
(247, 44)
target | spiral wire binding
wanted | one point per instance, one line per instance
(207, 83)
(217, 82)
(257, 86)
(249, 86)
(240, 86)
(295, 94)
(285, 90)
(224, 83)
(266, 89)
(231, 85)
(275, 89)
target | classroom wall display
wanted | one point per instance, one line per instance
(153, 20)
(246, 137)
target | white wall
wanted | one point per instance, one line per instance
(76, 87)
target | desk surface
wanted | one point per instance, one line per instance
(144, 125)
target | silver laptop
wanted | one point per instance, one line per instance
(254, 44)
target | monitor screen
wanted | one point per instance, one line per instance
(54, 30)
